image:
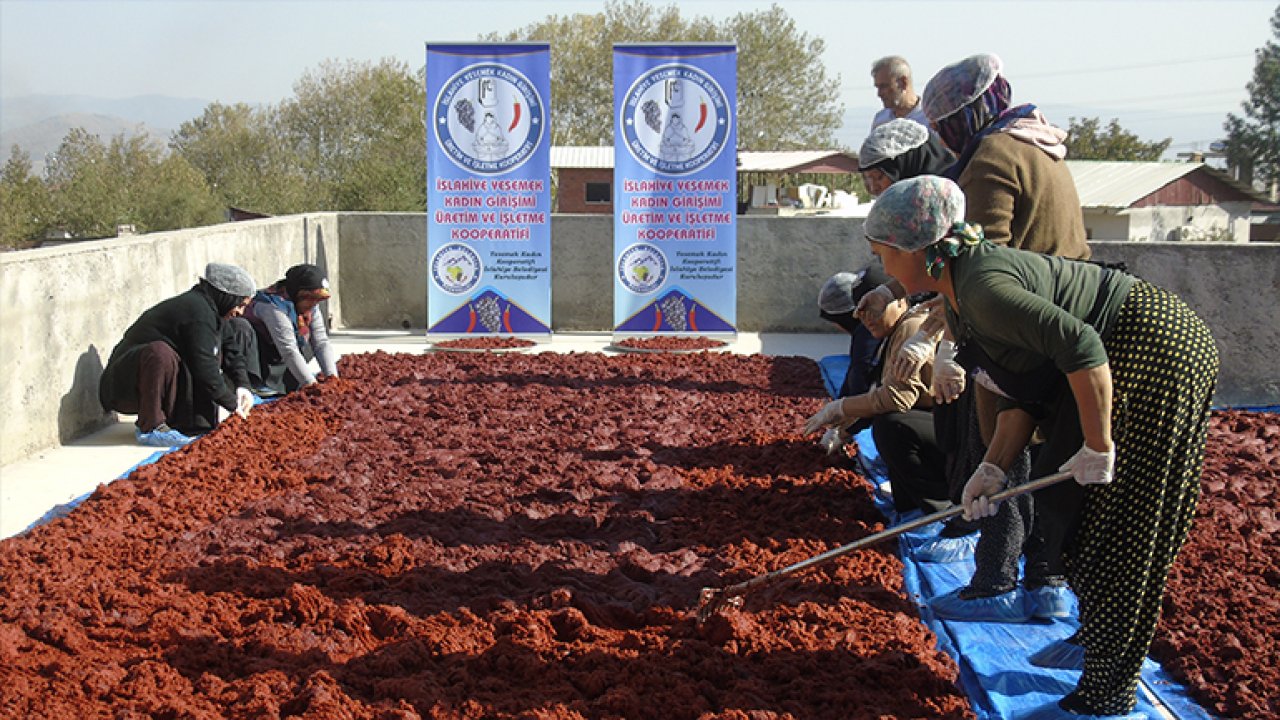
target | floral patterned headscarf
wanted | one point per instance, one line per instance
(925, 212)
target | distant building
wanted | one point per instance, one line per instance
(1162, 201)
(584, 175)
(584, 178)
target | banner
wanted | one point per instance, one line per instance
(675, 189)
(488, 189)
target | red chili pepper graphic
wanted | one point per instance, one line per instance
(506, 319)
(657, 319)
(515, 120)
(471, 318)
(702, 116)
(693, 320)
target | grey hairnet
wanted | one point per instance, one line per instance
(891, 140)
(837, 293)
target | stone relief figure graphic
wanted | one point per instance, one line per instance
(677, 143)
(490, 142)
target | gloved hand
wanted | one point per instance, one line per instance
(912, 356)
(873, 303)
(244, 402)
(834, 440)
(1091, 467)
(948, 376)
(831, 415)
(987, 480)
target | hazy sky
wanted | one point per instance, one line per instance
(1164, 69)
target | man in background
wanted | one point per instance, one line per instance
(892, 77)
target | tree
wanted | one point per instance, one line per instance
(24, 202)
(89, 197)
(355, 131)
(785, 98)
(171, 194)
(239, 152)
(1086, 142)
(95, 187)
(1253, 141)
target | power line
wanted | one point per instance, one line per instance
(1174, 96)
(1091, 71)
(1140, 66)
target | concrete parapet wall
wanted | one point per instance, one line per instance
(782, 262)
(1235, 288)
(63, 309)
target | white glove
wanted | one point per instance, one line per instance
(244, 402)
(986, 481)
(834, 440)
(873, 303)
(831, 415)
(912, 356)
(1091, 467)
(948, 376)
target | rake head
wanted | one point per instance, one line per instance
(712, 601)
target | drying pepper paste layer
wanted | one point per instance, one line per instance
(1218, 631)
(478, 536)
(484, 342)
(671, 342)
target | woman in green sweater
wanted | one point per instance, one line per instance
(1141, 367)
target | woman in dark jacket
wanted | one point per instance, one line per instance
(183, 358)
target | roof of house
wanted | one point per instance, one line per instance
(783, 161)
(1122, 184)
(601, 156)
(582, 156)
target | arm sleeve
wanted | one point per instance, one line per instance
(286, 341)
(325, 354)
(990, 190)
(235, 363)
(1009, 314)
(894, 396)
(200, 345)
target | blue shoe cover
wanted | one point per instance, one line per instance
(1051, 711)
(1010, 607)
(945, 550)
(1049, 602)
(162, 436)
(1060, 655)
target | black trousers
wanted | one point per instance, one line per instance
(917, 466)
(152, 382)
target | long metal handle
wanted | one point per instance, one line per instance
(767, 578)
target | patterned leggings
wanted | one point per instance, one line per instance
(1164, 365)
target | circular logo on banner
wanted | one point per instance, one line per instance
(456, 268)
(642, 268)
(488, 119)
(675, 119)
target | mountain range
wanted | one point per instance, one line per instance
(38, 123)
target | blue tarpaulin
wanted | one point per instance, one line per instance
(992, 657)
(62, 509)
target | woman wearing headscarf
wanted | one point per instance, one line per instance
(1010, 160)
(901, 149)
(1140, 367)
(183, 359)
(1010, 166)
(291, 331)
